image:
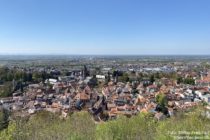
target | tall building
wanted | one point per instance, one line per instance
(85, 72)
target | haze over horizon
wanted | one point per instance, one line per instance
(111, 27)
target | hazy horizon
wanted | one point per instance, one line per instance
(58, 54)
(105, 54)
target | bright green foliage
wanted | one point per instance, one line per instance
(7, 134)
(161, 100)
(48, 126)
(189, 81)
(80, 126)
(138, 127)
(190, 122)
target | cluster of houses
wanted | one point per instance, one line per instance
(67, 95)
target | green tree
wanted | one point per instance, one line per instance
(3, 73)
(29, 77)
(179, 80)
(157, 75)
(6, 90)
(9, 76)
(37, 77)
(4, 119)
(189, 81)
(138, 127)
(124, 77)
(161, 100)
(152, 78)
(8, 134)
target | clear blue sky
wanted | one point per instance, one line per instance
(104, 26)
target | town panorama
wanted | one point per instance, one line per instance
(104, 69)
(105, 88)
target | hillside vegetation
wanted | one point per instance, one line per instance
(80, 126)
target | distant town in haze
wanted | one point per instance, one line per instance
(105, 70)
